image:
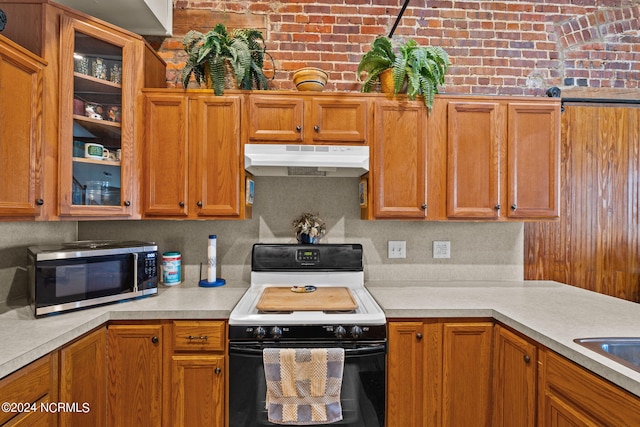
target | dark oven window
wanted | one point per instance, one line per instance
(362, 395)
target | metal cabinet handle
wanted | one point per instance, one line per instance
(423, 206)
(497, 207)
(419, 335)
(39, 202)
(127, 203)
(217, 371)
(298, 128)
(181, 204)
(316, 128)
(155, 340)
(198, 337)
(526, 358)
(514, 206)
(199, 204)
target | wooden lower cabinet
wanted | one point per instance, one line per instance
(466, 374)
(197, 390)
(515, 367)
(571, 396)
(83, 380)
(439, 374)
(31, 387)
(135, 375)
(405, 374)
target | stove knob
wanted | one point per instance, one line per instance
(276, 332)
(259, 332)
(356, 332)
(340, 332)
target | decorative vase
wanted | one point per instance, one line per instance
(310, 79)
(307, 239)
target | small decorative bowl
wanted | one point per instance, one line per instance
(310, 79)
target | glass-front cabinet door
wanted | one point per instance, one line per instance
(96, 154)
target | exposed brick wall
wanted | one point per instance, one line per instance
(496, 47)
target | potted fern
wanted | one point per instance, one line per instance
(225, 59)
(414, 69)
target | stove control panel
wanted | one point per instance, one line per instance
(308, 332)
(308, 255)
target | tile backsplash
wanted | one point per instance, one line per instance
(479, 250)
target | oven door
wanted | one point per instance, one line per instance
(363, 385)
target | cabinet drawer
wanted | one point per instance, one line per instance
(198, 335)
(27, 385)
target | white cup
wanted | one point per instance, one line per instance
(94, 151)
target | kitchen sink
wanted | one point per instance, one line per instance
(625, 351)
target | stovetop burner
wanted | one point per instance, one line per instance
(335, 271)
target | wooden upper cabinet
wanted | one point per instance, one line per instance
(339, 119)
(307, 119)
(399, 160)
(92, 80)
(21, 132)
(165, 184)
(275, 118)
(473, 160)
(192, 156)
(534, 160)
(215, 156)
(503, 159)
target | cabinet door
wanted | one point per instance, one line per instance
(215, 154)
(197, 391)
(515, 372)
(473, 160)
(275, 119)
(21, 149)
(83, 379)
(135, 358)
(404, 374)
(35, 384)
(572, 396)
(339, 120)
(399, 160)
(97, 102)
(165, 156)
(534, 160)
(466, 374)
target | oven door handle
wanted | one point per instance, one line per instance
(371, 349)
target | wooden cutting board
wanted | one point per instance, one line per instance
(323, 298)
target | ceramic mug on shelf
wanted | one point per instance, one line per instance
(94, 151)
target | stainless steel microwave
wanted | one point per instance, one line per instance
(89, 273)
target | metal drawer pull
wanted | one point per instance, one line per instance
(198, 337)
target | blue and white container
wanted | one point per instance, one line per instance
(171, 268)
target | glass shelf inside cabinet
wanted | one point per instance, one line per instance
(97, 106)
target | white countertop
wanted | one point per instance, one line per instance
(550, 313)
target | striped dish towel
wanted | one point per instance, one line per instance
(303, 385)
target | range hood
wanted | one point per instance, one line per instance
(306, 160)
(144, 17)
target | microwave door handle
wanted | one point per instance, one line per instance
(135, 272)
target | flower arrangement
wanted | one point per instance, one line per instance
(309, 228)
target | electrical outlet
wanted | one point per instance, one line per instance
(441, 249)
(397, 249)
